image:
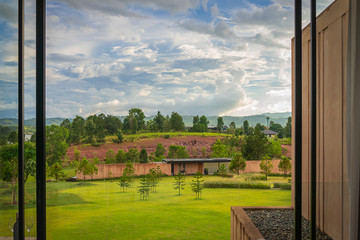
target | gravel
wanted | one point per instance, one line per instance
(279, 224)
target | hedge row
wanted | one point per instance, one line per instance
(283, 186)
(237, 185)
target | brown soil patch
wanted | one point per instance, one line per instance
(194, 144)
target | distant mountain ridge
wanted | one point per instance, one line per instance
(280, 118)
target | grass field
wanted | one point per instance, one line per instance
(99, 210)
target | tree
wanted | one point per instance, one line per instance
(13, 137)
(144, 188)
(254, 146)
(196, 120)
(237, 164)
(120, 157)
(274, 148)
(57, 171)
(197, 184)
(277, 128)
(124, 182)
(90, 129)
(266, 165)
(119, 137)
(56, 145)
(139, 116)
(110, 157)
(220, 123)
(177, 152)
(84, 168)
(284, 165)
(176, 121)
(132, 155)
(219, 149)
(204, 121)
(260, 127)
(129, 172)
(179, 182)
(222, 170)
(77, 131)
(246, 127)
(143, 156)
(287, 129)
(112, 124)
(167, 124)
(8, 167)
(232, 125)
(153, 179)
(159, 121)
(159, 153)
(93, 169)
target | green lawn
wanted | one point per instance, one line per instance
(99, 210)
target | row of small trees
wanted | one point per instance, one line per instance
(197, 184)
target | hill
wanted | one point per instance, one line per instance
(280, 118)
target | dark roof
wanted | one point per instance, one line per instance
(196, 160)
(269, 132)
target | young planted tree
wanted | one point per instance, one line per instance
(144, 188)
(266, 165)
(284, 165)
(179, 182)
(83, 167)
(124, 182)
(197, 184)
(237, 164)
(129, 172)
(222, 170)
(56, 171)
(93, 169)
(153, 179)
(159, 173)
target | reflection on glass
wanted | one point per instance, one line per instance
(29, 223)
(12, 221)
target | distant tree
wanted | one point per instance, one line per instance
(176, 121)
(222, 170)
(266, 165)
(143, 156)
(66, 124)
(77, 154)
(177, 152)
(167, 124)
(237, 164)
(219, 149)
(77, 131)
(132, 155)
(56, 145)
(29, 160)
(159, 121)
(204, 121)
(254, 146)
(144, 187)
(232, 125)
(220, 123)
(159, 152)
(90, 129)
(57, 171)
(260, 127)
(277, 128)
(287, 129)
(120, 157)
(112, 124)
(179, 182)
(196, 120)
(246, 127)
(13, 137)
(197, 184)
(284, 165)
(110, 157)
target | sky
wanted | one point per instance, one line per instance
(194, 57)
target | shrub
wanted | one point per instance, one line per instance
(166, 136)
(283, 186)
(256, 178)
(206, 171)
(96, 144)
(237, 185)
